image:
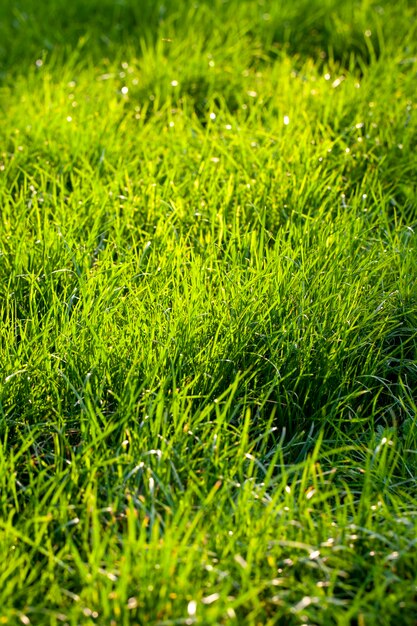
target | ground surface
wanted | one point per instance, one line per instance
(208, 308)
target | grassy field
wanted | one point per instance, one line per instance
(208, 312)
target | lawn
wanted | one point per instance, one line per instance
(208, 312)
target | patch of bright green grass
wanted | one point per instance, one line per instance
(208, 309)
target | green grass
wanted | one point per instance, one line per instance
(208, 313)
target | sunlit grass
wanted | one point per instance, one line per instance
(208, 313)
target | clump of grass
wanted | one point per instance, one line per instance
(208, 313)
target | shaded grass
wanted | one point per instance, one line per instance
(355, 33)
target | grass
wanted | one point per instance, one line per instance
(208, 300)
